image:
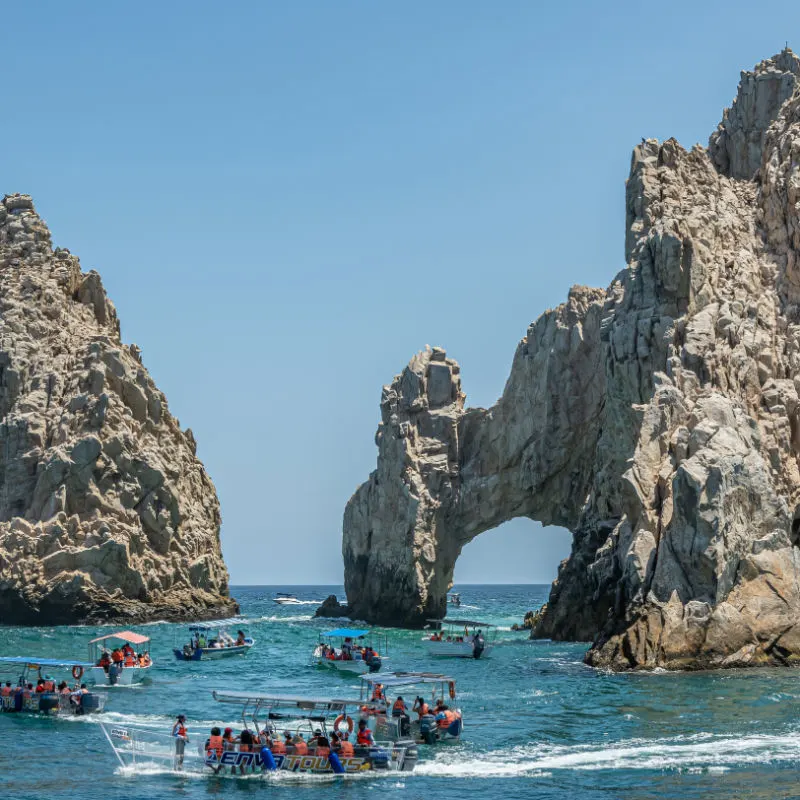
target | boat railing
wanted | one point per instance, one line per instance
(137, 745)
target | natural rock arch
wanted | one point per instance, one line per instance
(658, 420)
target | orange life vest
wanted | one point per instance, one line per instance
(129, 661)
(116, 657)
(6, 691)
(377, 693)
(423, 709)
(323, 751)
(346, 750)
(278, 748)
(399, 705)
(214, 746)
(364, 737)
(181, 731)
(301, 748)
(447, 720)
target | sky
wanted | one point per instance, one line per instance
(286, 201)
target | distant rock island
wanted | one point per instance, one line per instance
(658, 420)
(106, 513)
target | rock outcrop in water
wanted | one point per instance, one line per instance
(105, 510)
(658, 420)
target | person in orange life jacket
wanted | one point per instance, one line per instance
(340, 745)
(321, 744)
(378, 693)
(421, 707)
(6, 691)
(214, 748)
(278, 747)
(287, 742)
(181, 737)
(399, 708)
(364, 736)
(300, 745)
(127, 650)
(116, 656)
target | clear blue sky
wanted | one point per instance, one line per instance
(287, 200)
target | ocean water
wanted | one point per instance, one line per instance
(538, 722)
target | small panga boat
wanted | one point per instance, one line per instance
(460, 638)
(349, 650)
(134, 666)
(211, 641)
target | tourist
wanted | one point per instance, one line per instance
(300, 745)
(340, 745)
(278, 747)
(399, 709)
(246, 745)
(287, 742)
(105, 660)
(181, 737)
(364, 736)
(240, 638)
(40, 686)
(378, 694)
(7, 690)
(421, 707)
(117, 657)
(214, 749)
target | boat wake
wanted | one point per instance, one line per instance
(701, 752)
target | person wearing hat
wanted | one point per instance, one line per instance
(364, 736)
(181, 737)
(321, 744)
(300, 745)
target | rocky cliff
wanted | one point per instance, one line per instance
(658, 421)
(105, 510)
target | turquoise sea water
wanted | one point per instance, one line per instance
(538, 723)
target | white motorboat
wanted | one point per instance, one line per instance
(454, 599)
(427, 720)
(212, 641)
(354, 654)
(460, 638)
(284, 599)
(122, 665)
(310, 719)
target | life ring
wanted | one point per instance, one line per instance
(77, 673)
(451, 686)
(343, 718)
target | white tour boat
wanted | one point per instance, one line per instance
(287, 733)
(122, 664)
(285, 599)
(354, 654)
(427, 720)
(454, 599)
(53, 698)
(460, 638)
(211, 641)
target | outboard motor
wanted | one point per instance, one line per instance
(113, 673)
(478, 646)
(48, 702)
(405, 725)
(409, 754)
(89, 703)
(374, 663)
(427, 728)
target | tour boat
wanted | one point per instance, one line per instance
(72, 700)
(461, 638)
(454, 599)
(443, 722)
(211, 640)
(266, 718)
(351, 655)
(108, 670)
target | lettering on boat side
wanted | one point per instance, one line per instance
(290, 762)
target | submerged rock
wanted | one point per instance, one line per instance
(105, 511)
(658, 420)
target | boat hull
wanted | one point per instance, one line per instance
(126, 676)
(49, 703)
(213, 653)
(454, 649)
(351, 667)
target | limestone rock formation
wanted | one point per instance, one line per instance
(332, 608)
(105, 510)
(658, 420)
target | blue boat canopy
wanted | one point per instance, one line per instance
(351, 633)
(43, 662)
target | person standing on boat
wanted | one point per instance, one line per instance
(181, 737)
(421, 707)
(240, 638)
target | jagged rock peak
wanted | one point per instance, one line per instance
(105, 510)
(736, 146)
(658, 420)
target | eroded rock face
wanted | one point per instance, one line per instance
(658, 420)
(105, 510)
